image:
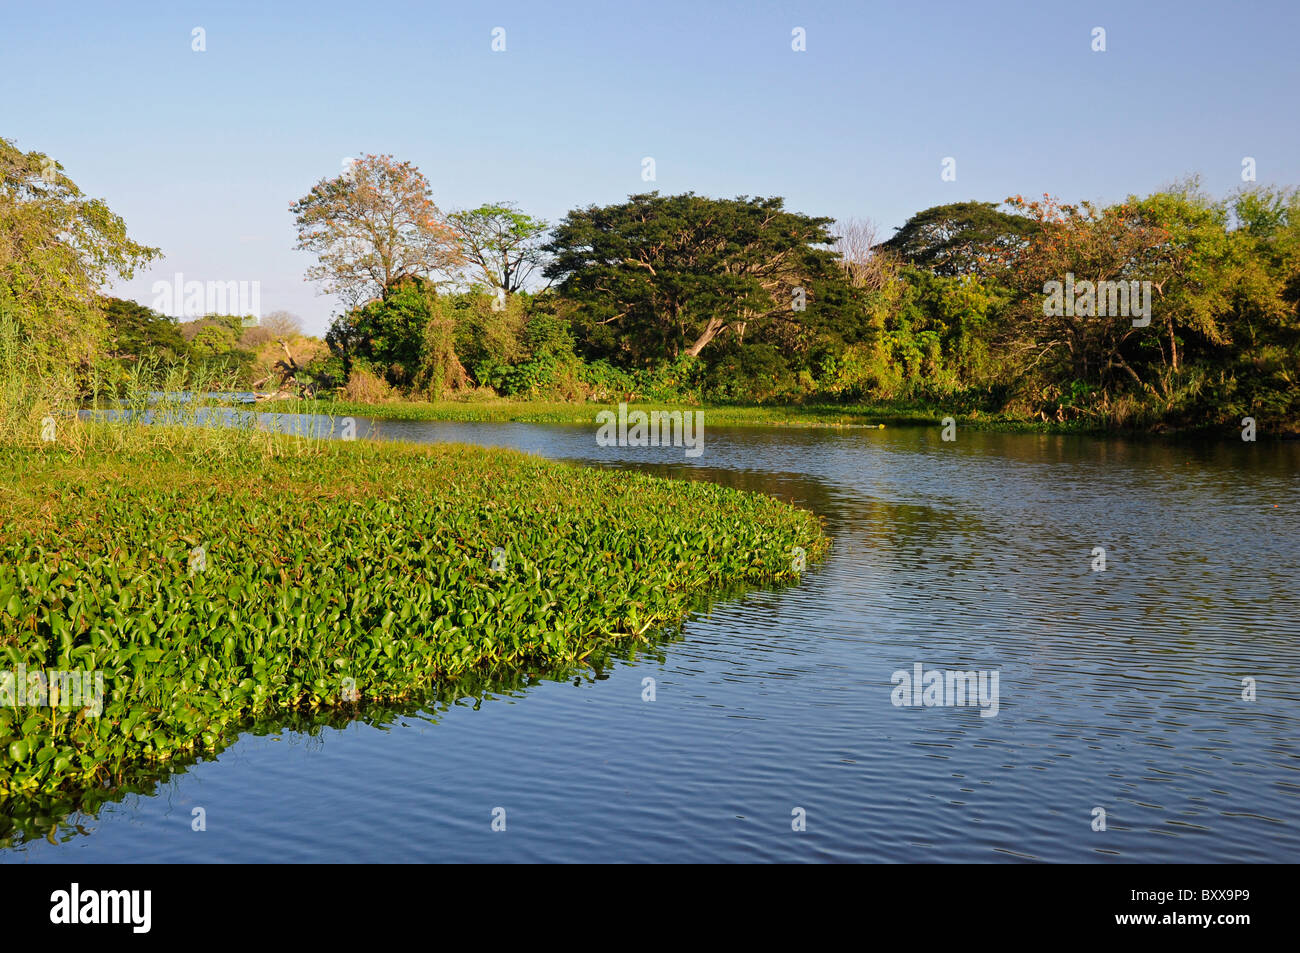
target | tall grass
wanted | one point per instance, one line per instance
(173, 411)
(30, 392)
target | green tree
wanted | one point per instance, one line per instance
(136, 332)
(440, 369)
(58, 249)
(214, 340)
(503, 244)
(407, 337)
(937, 336)
(673, 273)
(962, 238)
(1258, 372)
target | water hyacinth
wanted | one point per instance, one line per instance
(208, 591)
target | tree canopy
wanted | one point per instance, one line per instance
(673, 273)
(978, 307)
(58, 249)
(136, 332)
(373, 226)
(961, 238)
(502, 244)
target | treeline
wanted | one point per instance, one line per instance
(1176, 309)
(1172, 310)
(244, 350)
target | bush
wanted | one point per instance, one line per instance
(365, 387)
(545, 378)
(605, 382)
(858, 373)
(678, 380)
(752, 374)
(484, 334)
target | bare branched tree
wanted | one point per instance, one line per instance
(867, 267)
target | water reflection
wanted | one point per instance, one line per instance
(62, 817)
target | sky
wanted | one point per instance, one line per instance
(202, 152)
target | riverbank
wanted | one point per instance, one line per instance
(717, 415)
(205, 591)
(902, 414)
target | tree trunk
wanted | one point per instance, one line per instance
(293, 365)
(715, 327)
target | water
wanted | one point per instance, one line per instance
(1119, 690)
(186, 397)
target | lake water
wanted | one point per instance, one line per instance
(1119, 689)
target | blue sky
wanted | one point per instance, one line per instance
(202, 153)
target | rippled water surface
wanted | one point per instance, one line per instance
(1120, 690)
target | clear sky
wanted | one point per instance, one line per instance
(202, 152)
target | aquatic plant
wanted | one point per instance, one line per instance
(209, 588)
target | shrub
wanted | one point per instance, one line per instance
(754, 373)
(365, 387)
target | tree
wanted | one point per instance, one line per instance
(962, 238)
(1081, 243)
(276, 326)
(440, 370)
(672, 273)
(372, 227)
(231, 322)
(214, 340)
(136, 331)
(57, 250)
(860, 255)
(937, 335)
(392, 337)
(1235, 304)
(1191, 272)
(502, 243)
(282, 323)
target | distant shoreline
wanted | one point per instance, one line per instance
(871, 416)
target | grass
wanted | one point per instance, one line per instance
(332, 575)
(715, 415)
(908, 413)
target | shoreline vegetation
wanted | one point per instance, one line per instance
(870, 416)
(214, 575)
(163, 583)
(1171, 312)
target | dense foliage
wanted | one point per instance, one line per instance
(57, 250)
(1188, 306)
(693, 299)
(423, 563)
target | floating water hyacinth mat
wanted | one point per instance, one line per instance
(202, 594)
